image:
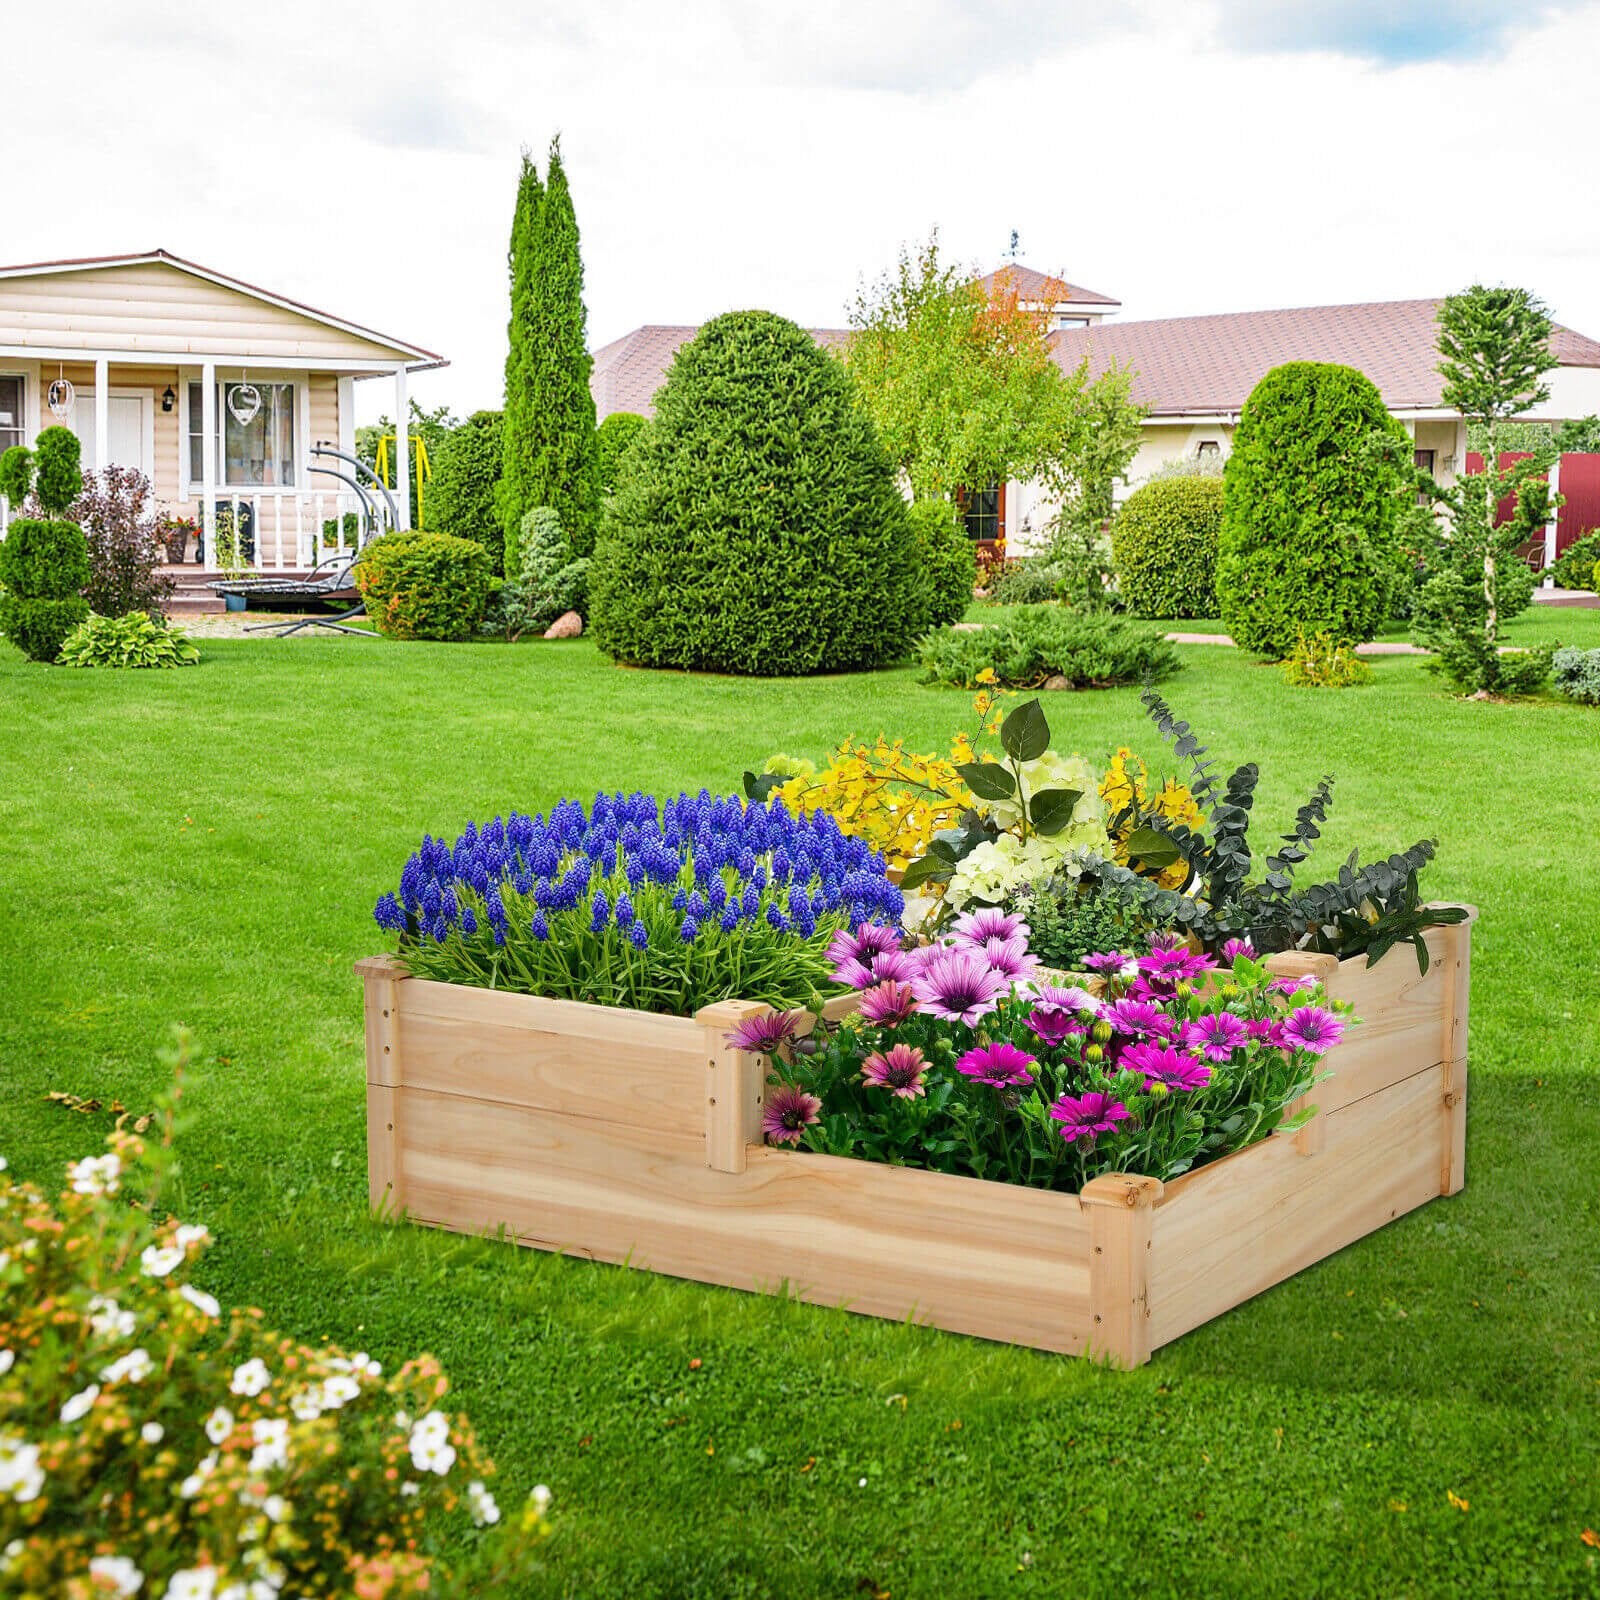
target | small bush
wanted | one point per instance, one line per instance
(125, 550)
(1450, 613)
(461, 493)
(611, 441)
(135, 639)
(16, 474)
(1577, 674)
(57, 460)
(39, 628)
(424, 585)
(1027, 581)
(1319, 661)
(947, 558)
(1090, 650)
(1579, 564)
(1164, 545)
(44, 566)
(552, 582)
(1074, 918)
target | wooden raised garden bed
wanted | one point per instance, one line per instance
(627, 1137)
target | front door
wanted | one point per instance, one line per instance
(129, 444)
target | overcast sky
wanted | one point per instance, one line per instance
(1184, 157)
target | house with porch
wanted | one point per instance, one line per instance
(218, 391)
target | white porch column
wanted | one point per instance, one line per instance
(102, 412)
(402, 447)
(1550, 528)
(208, 458)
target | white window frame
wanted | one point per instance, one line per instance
(192, 489)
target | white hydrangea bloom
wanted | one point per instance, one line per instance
(250, 1378)
(1055, 771)
(115, 1574)
(134, 1367)
(158, 1260)
(81, 1404)
(96, 1174)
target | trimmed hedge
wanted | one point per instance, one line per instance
(948, 560)
(756, 525)
(44, 566)
(460, 495)
(1308, 516)
(1089, 649)
(611, 441)
(424, 585)
(1164, 547)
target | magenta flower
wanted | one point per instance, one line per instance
(1160, 1063)
(1171, 965)
(900, 965)
(1215, 1037)
(853, 974)
(1008, 957)
(1068, 998)
(868, 939)
(765, 1033)
(1087, 1114)
(1266, 1031)
(999, 1065)
(958, 986)
(978, 927)
(1141, 1018)
(788, 1113)
(887, 1003)
(1110, 962)
(1054, 1025)
(898, 1070)
(1312, 1029)
(1235, 948)
(1292, 986)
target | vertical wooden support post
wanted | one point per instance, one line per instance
(735, 1084)
(381, 977)
(1308, 1140)
(1457, 955)
(1121, 1216)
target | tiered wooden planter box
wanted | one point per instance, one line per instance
(633, 1138)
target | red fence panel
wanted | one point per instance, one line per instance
(1579, 486)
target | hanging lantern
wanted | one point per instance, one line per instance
(244, 401)
(60, 396)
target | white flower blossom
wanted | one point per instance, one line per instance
(271, 1444)
(115, 1574)
(251, 1378)
(8, 1359)
(135, 1366)
(196, 1481)
(202, 1302)
(157, 1260)
(485, 1513)
(409, 1488)
(430, 1453)
(193, 1583)
(10, 1556)
(435, 1425)
(540, 1497)
(3, 1163)
(274, 1508)
(339, 1390)
(81, 1404)
(21, 1476)
(109, 1320)
(256, 1589)
(96, 1174)
(219, 1424)
(152, 1433)
(189, 1233)
(402, 1421)
(306, 1404)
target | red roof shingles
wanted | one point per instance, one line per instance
(1208, 365)
(1041, 287)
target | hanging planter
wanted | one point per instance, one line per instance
(61, 397)
(244, 401)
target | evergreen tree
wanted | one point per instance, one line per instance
(548, 437)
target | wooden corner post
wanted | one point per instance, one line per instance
(1121, 1209)
(381, 977)
(1457, 958)
(734, 1086)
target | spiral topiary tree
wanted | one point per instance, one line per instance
(1164, 547)
(44, 561)
(756, 526)
(1309, 510)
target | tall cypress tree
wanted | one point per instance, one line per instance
(548, 437)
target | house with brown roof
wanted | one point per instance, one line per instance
(215, 389)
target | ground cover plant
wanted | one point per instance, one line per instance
(1032, 646)
(1577, 674)
(703, 1442)
(134, 640)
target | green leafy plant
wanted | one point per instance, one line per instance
(1075, 917)
(424, 585)
(756, 526)
(1365, 908)
(1079, 555)
(611, 441)
(1319, 661)
(1577, 674)
(44, 562)
(16, 474)
(1026, 581)
(135, 639)
(57, 460)
(552, 580)
(1037, 644)
(947, 560)
(229, 544)
(1576, 566)
(1310, 505)
(461, 493)
(1164, 545)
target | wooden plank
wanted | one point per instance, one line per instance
(380, 999)
(1120, 1207)
(996, 1260)
(1238, 1227)
(734, 1085)
(383, 1150)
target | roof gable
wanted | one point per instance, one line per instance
(1043, 288)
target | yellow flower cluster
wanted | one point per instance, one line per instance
(1127, 785)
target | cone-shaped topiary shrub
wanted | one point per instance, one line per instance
(756, 525)
(1309, 510)
(1164, 547)
(44, 561)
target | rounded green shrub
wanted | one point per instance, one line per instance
(1576, 567)
(424, 585)
(16, 474)
(1164, 547)
(1027, 581)
(39, 628)
(1309, 510)
(756, 525)
(44, 566)
(1048, 647)
(611, 441)
(947, 558)
(58, 465)
(460, 494)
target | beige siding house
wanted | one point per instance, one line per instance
(146, 357)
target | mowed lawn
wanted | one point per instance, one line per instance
(203, 847)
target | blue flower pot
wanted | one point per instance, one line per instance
(236, 602)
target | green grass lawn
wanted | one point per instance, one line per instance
(204, 847)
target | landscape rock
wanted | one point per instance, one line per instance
(1057, 680)
(569, 625)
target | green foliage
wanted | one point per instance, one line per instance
(1079, 554)
(345, 529)
(38, 628)
(552, 580)
(1576, 567)
(946, 558)
(1076, 919)
(42, 560)
(1309, 510)
(1577, 674)
(1209, 465)
(1494, 350)
(1164, 544)
(548, 435)
(1035, 644)
(16, 474)
(424, 585)
(430, 429)
(1026, 581)
(611, 441)
(461, 496)
(1319, 661)
(756, 526)
(59, 474)
(134, 639)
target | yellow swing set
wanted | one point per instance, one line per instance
(384, 462)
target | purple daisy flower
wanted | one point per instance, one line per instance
(1054, 1025)
(989, 922)
(867, 940)
(763, 1034)
(887, 1003)
(1060, 997)
(900, 965)
(788, 1113)
(1140, 1018)
(1110, 962)
(1267, 1031)
(1173, 964)
(1313, 1029)
(1235, 948)
(899, 1070)
(1292, 986)
(958, 986)
(1085, 1115)
(1215, 1037)
(852, 974)
(1000, 1065)
(1008, 957)
(1163, 1065)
